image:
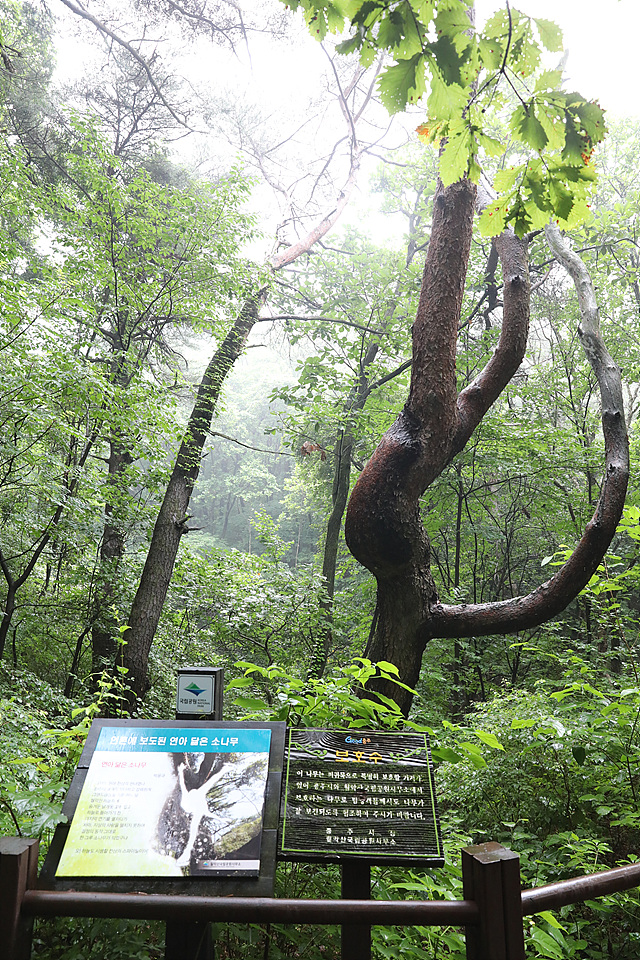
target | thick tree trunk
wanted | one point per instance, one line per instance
(383, 527)
(172, 520)
(104, 630)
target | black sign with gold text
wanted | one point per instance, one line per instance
(352, 793)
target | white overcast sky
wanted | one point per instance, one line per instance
(602, 37)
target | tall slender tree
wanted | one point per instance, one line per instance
(173, 517)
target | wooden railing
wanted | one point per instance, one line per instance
(491, 911)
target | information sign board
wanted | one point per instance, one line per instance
(366, 794)
(170, 799)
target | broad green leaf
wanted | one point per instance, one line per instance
(492, 146)
(548, 80)
(391, 29)
(493, 218)
(388, 667)
(520, 217)
(580, 213)
(552, 121)
(525, 52)
(546, 945)
(454, 160)
(550, 34)
(537, 214)
(505, 179)
(574, 143)
(550, 919)
(347, 8)
(527, 127)
(446, 754)
(367, 13)
(474, 754)
(561, 199)
(491, 52)
(349, 46)
(446, 100)
(579, 754)
(448, 59)
(240, 682)
(489, 738)
(400, 33)
(251, 703)
(424, 10)
(402, 83)
(452, 21)
(497, 25)
(592, 118)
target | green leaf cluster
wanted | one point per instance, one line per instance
(337, 700)
(470, 78)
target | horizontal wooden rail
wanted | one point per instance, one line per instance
(561, 894)
(491, 911)
(42, 903)
(135, 906)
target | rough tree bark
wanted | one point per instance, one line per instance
(383, 528)
(172, 520)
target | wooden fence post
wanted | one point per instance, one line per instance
(355, 938)
(18, 872)
(188, 941)
(491, 877)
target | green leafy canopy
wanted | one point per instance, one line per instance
(470, 78)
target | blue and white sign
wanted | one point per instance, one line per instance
(196, 694)
(170, 801)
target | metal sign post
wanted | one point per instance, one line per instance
(359, 798)
(198, 697)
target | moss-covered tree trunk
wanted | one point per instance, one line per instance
(171, 523)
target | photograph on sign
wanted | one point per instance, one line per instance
(170, 802)
(359, 793)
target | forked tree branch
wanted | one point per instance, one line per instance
(382, 526)
(552, 597)
(475, 400)
(80, 11)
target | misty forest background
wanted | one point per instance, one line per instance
(140, 212)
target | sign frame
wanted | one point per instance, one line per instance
(211, 885)
(350, 807)
(212, 679)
